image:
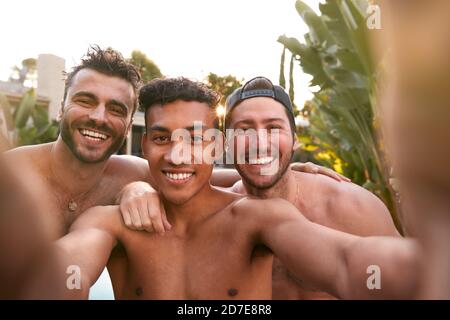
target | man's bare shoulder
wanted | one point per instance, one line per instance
(348, 206)
(254, 209)
(31, 154)
(134, 168)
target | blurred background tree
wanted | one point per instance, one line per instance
(27, 71)
(343, 124)
(225, 85)
(29, 122)
(148, 69)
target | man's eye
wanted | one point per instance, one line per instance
(84, 102)
(118, 110)
(197, 139)
(273, 127)
(244, 129)
(161, 139)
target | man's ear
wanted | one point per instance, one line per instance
(296, 145)
(60, 112)
(220, 147)
(144, 144)
(130, 125)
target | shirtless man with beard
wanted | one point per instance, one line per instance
(79, 170)
(221, 244)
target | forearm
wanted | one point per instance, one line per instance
(382, 268)
(313, 253)
(82, 255)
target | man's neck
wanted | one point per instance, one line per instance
(205, 202)
(285, 188)
(69, 172)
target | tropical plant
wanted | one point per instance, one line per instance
(343, 117)
(28, 123)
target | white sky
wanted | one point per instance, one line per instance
(185, 38)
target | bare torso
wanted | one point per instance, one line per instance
(50, 196)
(318, 200)
(214, 259)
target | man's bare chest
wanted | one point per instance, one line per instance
(211, 265)
(58, 209)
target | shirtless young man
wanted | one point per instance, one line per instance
(221, 244)
(341, 206)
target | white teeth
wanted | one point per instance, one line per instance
(264, 160)
(93, 135)
(178, 176)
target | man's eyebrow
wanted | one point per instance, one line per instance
(118, 103)
(192, 128)
(245, 121)
(158, 128)
(273, 119)
(85, 94)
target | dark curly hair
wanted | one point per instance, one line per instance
(163, 91)
(108, 62)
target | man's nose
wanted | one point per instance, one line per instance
(179, 153)
(98, 114)
(263, 139)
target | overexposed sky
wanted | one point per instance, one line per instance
(185, 38)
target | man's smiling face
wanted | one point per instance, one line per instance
(96, 115)
(273, 144)
(178, 178)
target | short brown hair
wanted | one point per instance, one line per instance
(108, 62)
(163, 91)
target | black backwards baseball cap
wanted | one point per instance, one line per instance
(276, 92)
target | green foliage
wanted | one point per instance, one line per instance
(148, 69)
(224, 85)
(342, 115)
(29, 123)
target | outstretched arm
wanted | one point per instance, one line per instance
(85, 250)
(142, 210)
(333, 261)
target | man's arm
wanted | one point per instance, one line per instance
(88, 245)
(28, 268)
(330, 260)
(141, 207)
(227, 178)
